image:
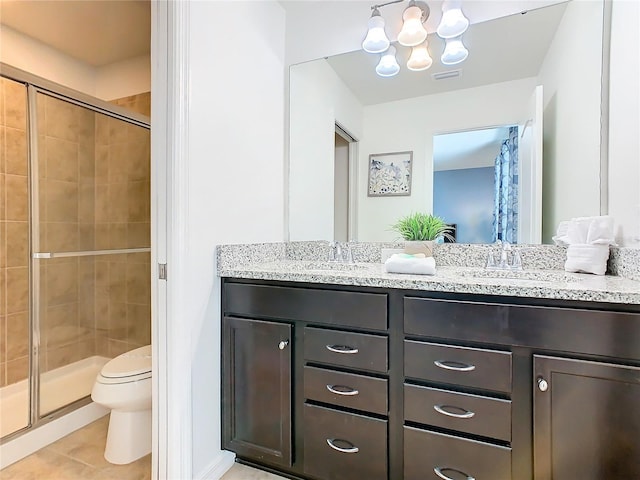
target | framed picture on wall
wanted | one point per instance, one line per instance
(390, 174)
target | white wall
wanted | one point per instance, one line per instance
(235, 175)
(124, 78)
(411, 125)
(117, 80)
(570, 74)
(319, 100)
(35, 57)
(624, 124)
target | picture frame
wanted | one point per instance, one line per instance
(390, 174)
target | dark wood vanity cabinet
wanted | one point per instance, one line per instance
(586, 419)
(327, 382)
(257, 387)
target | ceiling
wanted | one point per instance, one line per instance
(97, 32)
(504, 49)
(470, 149)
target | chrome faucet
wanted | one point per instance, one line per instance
(340, 252)
(505, 255)
(509, 259)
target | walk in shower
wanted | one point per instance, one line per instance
(74, 244)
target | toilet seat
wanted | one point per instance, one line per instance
(131, 366)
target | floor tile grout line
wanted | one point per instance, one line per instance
(77, 460)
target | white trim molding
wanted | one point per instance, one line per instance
(171, 338)
(216, 469)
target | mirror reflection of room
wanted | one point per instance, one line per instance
(475, 183)
(547, 77)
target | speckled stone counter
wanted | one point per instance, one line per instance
(459, 270)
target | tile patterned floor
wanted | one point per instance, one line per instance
(242, 472)
(80, 456)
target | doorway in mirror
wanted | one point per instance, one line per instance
(344, 184)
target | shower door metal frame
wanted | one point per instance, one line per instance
(37, 85)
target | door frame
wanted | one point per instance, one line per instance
(352, 214)
(171, 341)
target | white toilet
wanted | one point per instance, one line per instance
(124, 386)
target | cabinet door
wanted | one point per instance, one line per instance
(586, 420)
(256, 383)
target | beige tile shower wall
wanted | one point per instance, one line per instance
(123, 180)
(140, 103)
(14, 234)
(66, 171)
(123, 302)
(86, 202)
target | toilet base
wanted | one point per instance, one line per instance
(129, 436)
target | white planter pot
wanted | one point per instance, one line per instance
(419, 246)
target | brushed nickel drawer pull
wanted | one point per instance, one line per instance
(438, 472)
(347, 391)
(440, 409)
(342, 349)
(456, 366)
(352, 449)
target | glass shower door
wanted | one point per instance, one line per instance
(91, 245)
(14, 259)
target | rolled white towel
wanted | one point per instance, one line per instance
(561, 238)
(587, 258)
(404, 263)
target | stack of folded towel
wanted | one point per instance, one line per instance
(588, 240)
(416, 264)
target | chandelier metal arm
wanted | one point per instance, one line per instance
(373, 7)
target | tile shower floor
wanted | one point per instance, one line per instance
(79, 456)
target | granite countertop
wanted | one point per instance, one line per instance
(545, 283)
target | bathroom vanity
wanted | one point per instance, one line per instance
(339, 380)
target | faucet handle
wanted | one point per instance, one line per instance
(332, 252)
(516, 261)
(491, 261)
(347, 254)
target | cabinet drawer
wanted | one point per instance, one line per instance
(484, 416)
(334, 307)
(456, 458)
(452, 319)
(344, 446)
(356, 350)
(471, 367)
(346, 389)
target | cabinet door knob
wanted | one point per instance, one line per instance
(542, 384)
(283, 344)
(439, 473)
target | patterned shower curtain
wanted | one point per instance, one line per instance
(505, 212)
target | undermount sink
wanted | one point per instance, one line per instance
(534, 275)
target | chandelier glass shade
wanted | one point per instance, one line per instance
(454, 52)
(419, 59)
(413, 32)
(376, 40)
(388, 65)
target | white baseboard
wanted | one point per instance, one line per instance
(218, 467)
(32, 441)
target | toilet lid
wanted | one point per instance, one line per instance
(130, 363)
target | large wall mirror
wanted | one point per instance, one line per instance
(539, 72)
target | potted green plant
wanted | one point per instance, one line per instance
(420, 230)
